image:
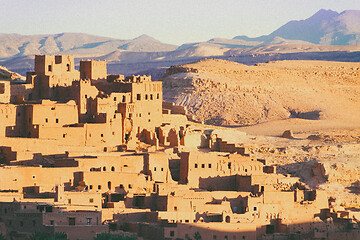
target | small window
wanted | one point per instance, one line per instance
(33, 176)
(151, 97)
(214, 236)
(158, 96)
(71, 221)
(34, 223)
(21, 223)
(187, 220)
(130, 186)
(245, 170)
(196, 165)
(52, 222)
(46, 120)
(88, 221)
(113, 169)
(102, 135)
(91, 186)
(57, 120)
(85, 95)
(202, 165)
(91, 200)
(255, 208)
(69, 201)
(229, 165)
(162, 169)
(68, 67)
(172, 233)
(109, 185)
(121, 186)
(99, 187)
(123, 99)
(104, 169)
(49, 68)
(146, 97)
(155, 169)
(130, 115)
(64, 135)
(138, 97)
(209, 165)
(114, 98)
(175, 208)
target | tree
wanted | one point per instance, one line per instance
(197, 236)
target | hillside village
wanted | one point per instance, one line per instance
(84, 153)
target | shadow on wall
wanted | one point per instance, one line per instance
(223, 183)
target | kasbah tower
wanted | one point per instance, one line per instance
(84, 153)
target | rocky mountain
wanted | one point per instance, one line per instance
(227, 93)
(325, 27)
(79, 44)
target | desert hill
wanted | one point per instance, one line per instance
(227, 93)
(6, 74)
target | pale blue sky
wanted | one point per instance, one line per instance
(170, 21)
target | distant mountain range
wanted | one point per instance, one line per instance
(80, 44)
(326, 27)
(327, 35)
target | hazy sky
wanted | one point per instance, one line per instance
(170, 21)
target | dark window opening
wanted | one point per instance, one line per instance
(109, 185)
(85, 95)
(49, 68)
(71, 221)
(124, 99)
(104, 169)
(121, 186)
(151, 97)
(46, 120)
(155, 169)
(202, 165)
(99, 187)
(138, 97)
(114, 98)
(146, 97)
(113, 169)
(195, 165)
(229, 165)
(172, 233)
(255, 208)
(91, 186)
(162, 169)
(68, 67)
(209, 165)
(158, 96)
(57, 120)
(130, 186)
